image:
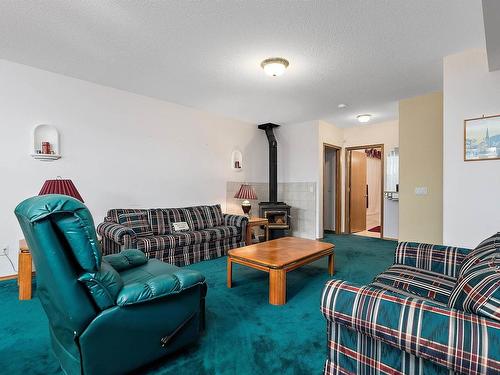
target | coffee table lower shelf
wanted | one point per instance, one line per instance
(277, 276)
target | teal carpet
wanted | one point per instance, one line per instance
(244, 334)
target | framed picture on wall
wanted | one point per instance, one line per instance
(482, 138)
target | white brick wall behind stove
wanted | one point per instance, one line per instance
(301, 196)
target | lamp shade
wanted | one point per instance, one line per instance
(60, 186)
(246, 192)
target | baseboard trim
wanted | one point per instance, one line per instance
(389, 239)
(8, 277)
(12, 277)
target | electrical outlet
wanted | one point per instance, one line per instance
(4, 250)
(421, 190)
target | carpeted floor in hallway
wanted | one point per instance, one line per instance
(244, 334)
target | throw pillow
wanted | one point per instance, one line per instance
(138, 222)
(478, 289)
(178, 215)
(487, 249)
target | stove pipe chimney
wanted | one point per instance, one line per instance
(273, 161)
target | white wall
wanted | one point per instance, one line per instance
(297, 150)
(120, 149)
(471, 190)
(298, 163)
(373, 170)
(386, 133)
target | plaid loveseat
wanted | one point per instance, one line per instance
(210, 235)
(436, 310)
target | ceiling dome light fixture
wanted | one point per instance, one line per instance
(364, 118)
(274, 66)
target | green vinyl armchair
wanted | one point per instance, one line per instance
(112, 314)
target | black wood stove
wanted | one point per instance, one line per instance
(277, 213)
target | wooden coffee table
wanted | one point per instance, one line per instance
(277, 257)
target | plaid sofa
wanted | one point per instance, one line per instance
(210, 235)
(436, 310)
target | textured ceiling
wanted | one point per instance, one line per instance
(206, 54)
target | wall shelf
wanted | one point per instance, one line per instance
(46, 157)
(45, 133)
(237, 161)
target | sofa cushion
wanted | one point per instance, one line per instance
(213, 215)
(489, 248)
(416, 282)
(180, 239)
(155, 280)
(136, 221)
(436, 258)
(478, 289)
(198, 219)
(193, 216)
(159, 221)
(176, 215)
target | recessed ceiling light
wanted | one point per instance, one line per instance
(274, 66)
(342, 105)
(364, 118)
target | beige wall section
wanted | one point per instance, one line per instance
(421, 165)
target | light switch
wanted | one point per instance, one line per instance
(421, 190)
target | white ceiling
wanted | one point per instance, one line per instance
(206, 54)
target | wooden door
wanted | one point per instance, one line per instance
(358, 195)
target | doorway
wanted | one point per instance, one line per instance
(365, 190)
(331, 189)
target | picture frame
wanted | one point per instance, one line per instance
(482, 138)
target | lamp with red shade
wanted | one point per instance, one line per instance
(60, 186)
(246, 192)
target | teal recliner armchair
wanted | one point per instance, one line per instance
(112, 314)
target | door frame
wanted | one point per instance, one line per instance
(347, 221)
(338, 187)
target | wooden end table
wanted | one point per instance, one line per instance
(277, 257)
(25, 272)
(256, 222)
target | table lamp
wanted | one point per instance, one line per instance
(246, 192)
(60, 186)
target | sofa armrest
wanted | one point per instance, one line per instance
(159, 286)
(445, 260)
(235, 220)
(116, 232)
(455, 339)
(239, 221)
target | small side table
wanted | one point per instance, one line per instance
(25, 273)
(256, 222)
